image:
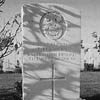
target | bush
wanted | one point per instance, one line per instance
(1, 72)
(9, 72)
(18, 70)
(18, 88)
(96, 69)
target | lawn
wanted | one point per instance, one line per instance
(90, 85)
(8, 80)
(7, 84)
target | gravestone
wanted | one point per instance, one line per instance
(51, 36)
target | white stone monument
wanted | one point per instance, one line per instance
(51, 40)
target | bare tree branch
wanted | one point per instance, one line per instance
(2, 2)
(8, 34)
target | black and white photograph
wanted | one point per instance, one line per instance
(10, 53)
(49, 49)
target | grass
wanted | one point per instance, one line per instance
(90, 85)
(89, 89)
(8, 80)
(7, 83)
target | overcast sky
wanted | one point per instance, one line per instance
(90, 11)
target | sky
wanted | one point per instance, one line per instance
(90, 12)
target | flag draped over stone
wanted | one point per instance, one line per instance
(51, 36)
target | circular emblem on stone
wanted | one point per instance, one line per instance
(52, 25)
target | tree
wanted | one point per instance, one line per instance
(18, 68)
(8, 34)
(1, 66)
(2, 2)
(96, 46)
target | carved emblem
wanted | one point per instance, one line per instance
(52, 25)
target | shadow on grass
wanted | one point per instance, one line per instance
(13, 93)
(10, 96)
(95, 97)
(90, 87)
